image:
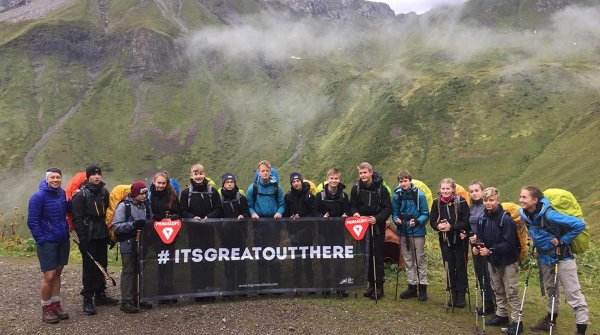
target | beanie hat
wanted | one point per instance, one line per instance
(92, 170)
(51, 171)
(295, 175)
(137, 188)
(227, 176)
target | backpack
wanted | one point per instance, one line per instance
(125, 237)
(73, 186)
(209, 191)
(463, 193)
(564, 202)
(237, 200)
(313, 187)
(274, 178)
(117, 195)
(522, 234)
(423, 187)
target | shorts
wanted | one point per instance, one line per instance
(53, 254)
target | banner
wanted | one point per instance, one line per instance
(196, 258)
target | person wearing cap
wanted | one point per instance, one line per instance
(299, 203)
(233, 233)
(132, 214)
(47, 221)
(89, 220)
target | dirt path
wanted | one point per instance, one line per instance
(32, 10)
(20, 310)
(166, 8)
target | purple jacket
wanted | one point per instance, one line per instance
(47, 214)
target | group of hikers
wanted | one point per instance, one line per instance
(481, 228)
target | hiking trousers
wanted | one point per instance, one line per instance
(411, 246)
(567, 277)
(505, 283)
(457, 267)
(128, 276)
(482, 275)
(92, 278)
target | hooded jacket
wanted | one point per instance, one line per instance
(89, 212)
(299, 201)
(234, 203)
(47, 214)
(566, 228)
(159, 200)
(265, 203)
(335, 204)
(457, 214)
(372, 201)
(406, 204)
(124, 226)
(204, 201)
(500, 238)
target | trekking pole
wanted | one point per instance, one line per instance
(397, 278)
(137, 240)
(524, 294)
(448, 282)
(476, 297)
(373, 260)
(466, 258)
(555, 288)
(484, 265)
(100, 267)
(414, 251)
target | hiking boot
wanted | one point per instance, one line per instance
(129, 307)
(88, 306)
(57, 309)
(544, 324)
(145, 305)
(581, 328)
(102, 299)
(48, 315)
(379, 292)
(422, 292)
(512, 329)
(460, 301)
(369, 292)
(343, 293)
(411, 292)
(497, 321)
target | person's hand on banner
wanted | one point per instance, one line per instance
(255, 216)
(277, 216)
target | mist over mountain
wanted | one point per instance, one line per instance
(506, 92)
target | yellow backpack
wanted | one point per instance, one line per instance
(118, 194)
(522, 234)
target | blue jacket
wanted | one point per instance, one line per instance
(500, 238)
(404, 205)
(265, 203)
(47, 217)
(557, 222)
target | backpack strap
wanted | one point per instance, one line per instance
(255, 190)
(209, 191)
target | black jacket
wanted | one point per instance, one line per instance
(234, 203)
(89, 212)
(204, 201)
(299, 202)
(372, 201)
(160, 204)
(457, 213)
(500, 237)
(335, 204)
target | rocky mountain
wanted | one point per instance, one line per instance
(144, 85)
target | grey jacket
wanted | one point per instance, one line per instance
(476, 213)
(123, 226)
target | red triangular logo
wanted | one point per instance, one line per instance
(167, 229)
(357, 226)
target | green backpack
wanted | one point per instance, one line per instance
(564, 202)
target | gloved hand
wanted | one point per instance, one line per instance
(139, 224)
(174, 217)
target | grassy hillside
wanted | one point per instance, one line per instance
(441, 99)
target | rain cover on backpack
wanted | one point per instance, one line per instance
(522, 234)
(564, 202)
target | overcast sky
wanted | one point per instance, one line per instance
(417, 6)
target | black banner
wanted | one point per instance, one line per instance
(229, 257)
